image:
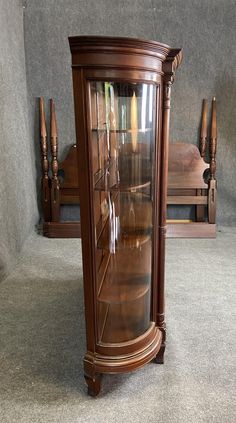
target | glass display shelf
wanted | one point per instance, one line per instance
(124, 278)
(134, 222)
(127, 275)
(130, 173)
(122, 154)
(123, 130)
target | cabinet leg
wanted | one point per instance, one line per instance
(94, 384)
(159, 359)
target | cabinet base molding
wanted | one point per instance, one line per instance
(96, 364)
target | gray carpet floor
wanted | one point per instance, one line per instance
(42, 339)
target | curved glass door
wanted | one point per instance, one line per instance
(122, 134)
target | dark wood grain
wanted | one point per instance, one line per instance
(113, 346)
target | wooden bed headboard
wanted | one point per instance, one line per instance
(191, 180)
(186, 167)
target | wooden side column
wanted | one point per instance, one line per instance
(212, 181)
(160, 318)
(45, 181)
(173, 60)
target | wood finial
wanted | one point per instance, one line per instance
(203, 134)
(43, 130)
(213, 119)
(53, 121)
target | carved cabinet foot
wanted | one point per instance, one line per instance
(159, 359)
(94, 384)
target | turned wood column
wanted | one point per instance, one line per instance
(200, 209)
(169, 67)
(160, 318)
(55, 205)
(212, 181)
(45, 181)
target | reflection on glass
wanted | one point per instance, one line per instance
(122, 144)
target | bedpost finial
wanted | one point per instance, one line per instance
(53, 121)
(43, 129)
(213, 119)
(203, 134)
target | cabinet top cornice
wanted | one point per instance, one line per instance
(122, 45)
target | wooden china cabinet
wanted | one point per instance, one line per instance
(122, 106)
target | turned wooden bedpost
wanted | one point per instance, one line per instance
(45, 181)
(203, 134)
(55, 205)
(212, 181)
(200, 210)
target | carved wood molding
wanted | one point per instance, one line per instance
(173, 60)
(92, 44)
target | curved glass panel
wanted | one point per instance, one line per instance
(122, 135)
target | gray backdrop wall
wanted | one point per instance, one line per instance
(204, 28)
(18, 211)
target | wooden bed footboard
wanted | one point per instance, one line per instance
(60, 182)
(191, 181)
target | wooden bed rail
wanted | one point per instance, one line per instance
(55, 192)
(192, 180)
